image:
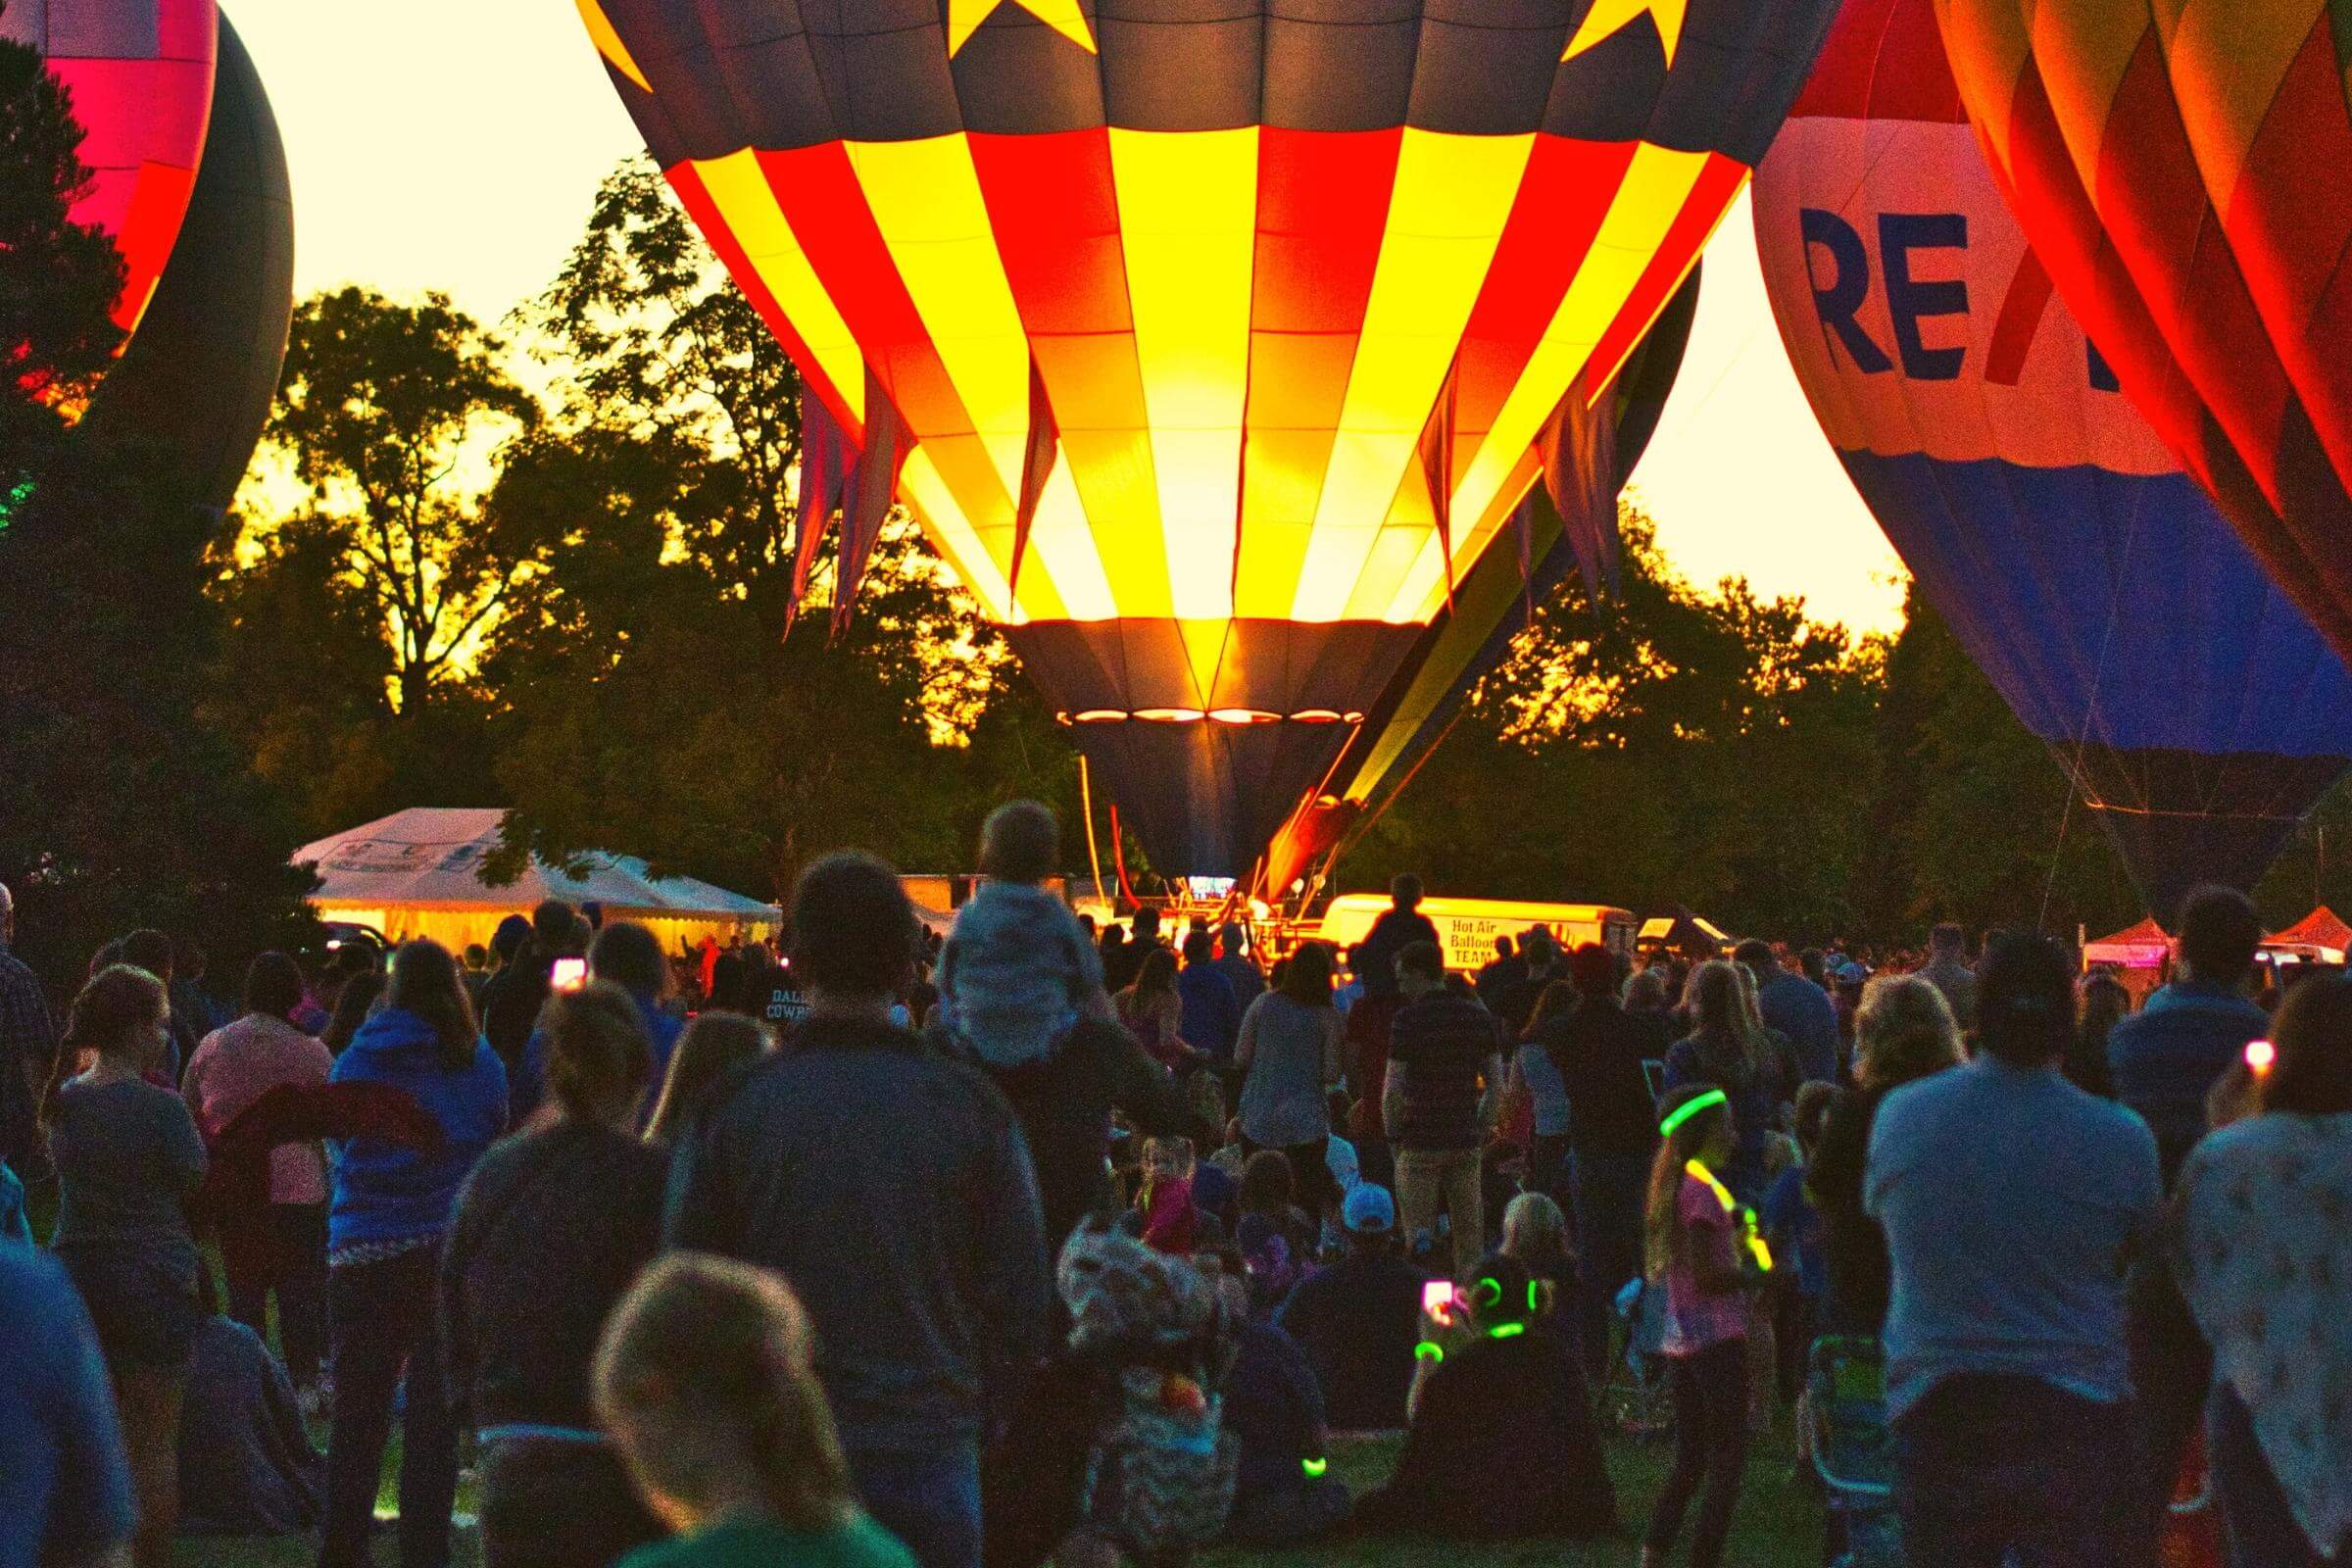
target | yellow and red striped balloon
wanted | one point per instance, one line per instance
(1212, 345)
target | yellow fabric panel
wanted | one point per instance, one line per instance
(1064, 547)
(925, 198)
(1422, 593)
(608, 43)
(927, 494)
(739, 189)
(1657, 184)
(1607, 17)
(1062, 16)
(1188, 209)
(2081, 52)
(1112, 473)
(2227, 57)
(1451, 198)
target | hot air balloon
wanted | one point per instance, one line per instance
(2199, 713)
(140, 72)
(2179, 171)
(189, 179)
(1214, 346)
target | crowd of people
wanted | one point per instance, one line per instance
(1039, 1242)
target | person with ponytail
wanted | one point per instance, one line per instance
(128, 1156)
(1728, 1050)
(389, 1210)
(704, 1384)
(551, 1228)
(1700, 1246)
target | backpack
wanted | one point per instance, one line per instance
(1159, 1481)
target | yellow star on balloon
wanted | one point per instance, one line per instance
(1062, 16)
(1608, 16)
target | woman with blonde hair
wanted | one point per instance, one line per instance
(1535, 1231)
(709, 1051)
(1903, 1030)
(704, 1382)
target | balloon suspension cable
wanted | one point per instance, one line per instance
(1086, 804)
(2090, 712)
(1118, 861)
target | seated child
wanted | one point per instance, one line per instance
(1274, 1409)
(703, 1380)
(1502, 1443)
(1017, 972)
(1165, 1203)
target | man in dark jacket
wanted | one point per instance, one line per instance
(1598, 1049)
(1444, 1069)
(1798, 1008)
(1400, 926)
(2164, 1058)
(893, 1188)
(512, 997)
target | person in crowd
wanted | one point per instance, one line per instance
(705, 1380)
(550, 1230)
(1210, 1017)
(65, 1496)
(512, 997)
(1539, 970)
(1401, 925)
(1506, 968)
(2100, 1004)
(152, 951)
(2260, 1249)
(1444, 1071)
(771, 992)
(1151, 1011)
(247, 1466)
(1793, 1228)
(712, 1048)
(1903, 1031)
(1282, 1494)
(1165, 1217)
(1534, 1079)
(1722, 1050)
(2164, 1060)
(356, 999)
(1798, 1008)
(1535, 1231)
(1947, 970)
(1692, 1245)
(1277, 1238)
(28, 1045)
(1351, 989)
(2011, 1202)
(1359, 1319)
(387, 1215)
(127, 1155)
(476, 974)
(192, 1000)
(630, 956)
(234, 1066)
(1237, 964)
(1289, 1057)
(1599, 1048)
(1017, 972)
(1503, 1444)
(1118, 973)
(893, 1185)
(1647, 996)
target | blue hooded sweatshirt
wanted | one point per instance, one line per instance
(382, 1192)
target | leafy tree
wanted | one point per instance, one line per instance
(385, 409)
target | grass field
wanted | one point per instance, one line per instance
(1778, 1525)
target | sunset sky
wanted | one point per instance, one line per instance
(453, 144)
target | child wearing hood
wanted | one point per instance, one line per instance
(1017, 972)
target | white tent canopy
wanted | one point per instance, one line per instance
(419, 873)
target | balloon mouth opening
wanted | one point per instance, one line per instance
(1235, 717)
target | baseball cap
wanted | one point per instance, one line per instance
(1369, 1209)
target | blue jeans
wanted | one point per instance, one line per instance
(2261, 1530)
(1995, 1468)
(929, 1500)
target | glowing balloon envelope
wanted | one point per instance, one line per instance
(2091, 579)
(1212, 345)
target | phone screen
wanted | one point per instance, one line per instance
(1437, 1300)
(569, 974)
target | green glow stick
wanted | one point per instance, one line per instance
(1691, 1107)
(1314, 1468)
